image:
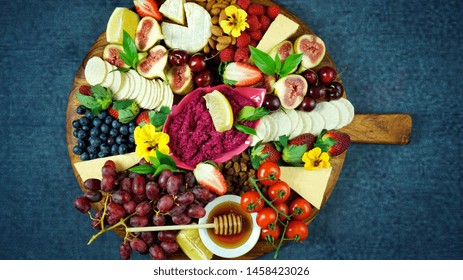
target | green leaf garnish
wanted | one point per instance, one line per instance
(290, 63)
(159, 118)
(143, 169)
(100, 100)
(130, 54)
(263, 61)
(246, 129)
(158, 164)
(249, 113)
(273, 66)
(165, 159)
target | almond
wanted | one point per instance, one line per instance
(220, 46)
(215, 20)
(219, 6)
(209, 5)
(216, 30)
(226, 40)
(212, 43)
(215, 11)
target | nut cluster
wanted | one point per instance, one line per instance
(237, 172)
(216, 9)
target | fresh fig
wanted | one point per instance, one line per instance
(284, 49)
(148, 33)
(111, 56)
(312, 48)
(291, 90)
(154, 64)
(180, 79)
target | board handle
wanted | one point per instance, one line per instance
(393, 129)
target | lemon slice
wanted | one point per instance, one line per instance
(192, 246)
(220, 110)
(121, 19)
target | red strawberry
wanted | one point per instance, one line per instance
(244, 4)
(85, 90)
(273, 11)
(143, 116)
(113, 112)
(296, 147)
(241, 74)
(148, 8)
(306, 138)
(209, 176)
(333, 142)
(227, 54)
(256, 9)
(124, 110)
(273, 154)
(263, 152)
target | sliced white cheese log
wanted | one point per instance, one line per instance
(136, 84)
(125, 87)
(306, 122)
(283, 123)
(117, 80)
(160, 97)
(108, 80)
(344, 114)
(318, 123)
(329, 113)
(92, 168)
(309, 184)
(273, 128)
(95, 71)
(148, 92)
(349, 107)
(261, 131)
(296, 123)
(142, 91)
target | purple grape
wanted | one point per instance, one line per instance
(115, 210)
(167, 235)
(82, 204)
(148, 236)
(173, 184)
(177, 210)
(165, 203)
(152, 191)
(157, 253)
(201, 193)
(130, 207)
(126, 185)
(93, 196)
(169, 247)
(121, 196)
(163, 177)
(92, 184)
(185, 198)
(138, 221)
(139, 185)
(189, 179)
(210, 197)
(181, 219)
(138, 245)
(159, 220)
(112, 220)
(125, 251)
(143, 208)
(196, 211)
(108, 170)
(151, 177)
(108, 184)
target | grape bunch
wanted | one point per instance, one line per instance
(136, 200)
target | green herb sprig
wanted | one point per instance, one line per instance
(158, 164)
(273, 66)
(249, 113)
(130, 54)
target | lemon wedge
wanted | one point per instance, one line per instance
(192, 246)
(220, 110)
(121, 19)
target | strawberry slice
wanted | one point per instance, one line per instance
(143, 117)
(113, 113)
(210, 177)
(241, 74)
(148, 8)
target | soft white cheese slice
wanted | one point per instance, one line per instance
(309, 184)
(173, 10)
(92, 168)
(279, 30)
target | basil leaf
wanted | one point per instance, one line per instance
(246, 112)
(99, 92)
(165, 159)
(263, 61)
(125, 58)
(164, 167)
(155, 162)
(130, 49)
(277, 63)
(246, 129)
(290, 63)
(143, 169)
(164, 110)
(249, 113)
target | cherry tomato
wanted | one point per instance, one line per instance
(265, 217)
(283, 208)
(267, 233)
(300, 209)
(298, 230)
(266, 170)
(251, 202)
(279, 192)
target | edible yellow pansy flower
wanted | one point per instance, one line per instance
(316, 159)
(147, 141)
(236, 21)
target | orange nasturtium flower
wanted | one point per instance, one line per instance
(316, 159)
(236, 21)
(147, 141)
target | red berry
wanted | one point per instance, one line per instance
(273, 11)
(204, 78)
(227, 54)
(264, 23)
(85, 90)
(256, 9)
(197, 62)
(254, 23)
(242, 55)
(143, 117)
(243, 40)
(327, 74)
(244, 4)
(256, 35)
(253, 43)
(178, 57)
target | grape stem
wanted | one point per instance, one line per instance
(103, 229)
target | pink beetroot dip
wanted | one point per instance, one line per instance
(193, 138)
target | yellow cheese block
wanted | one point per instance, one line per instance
(92, 168)
(309, 184)
(279, 30)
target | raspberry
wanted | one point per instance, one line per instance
(253, 43)
(242, 55)
(264, 23)
(227, 54)
(273, 11)
(244, 4)
(85, 90)
(254, 23)
(256, 35)
(243, 40)
(256, 9)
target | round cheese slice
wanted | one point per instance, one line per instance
(306, 122)
(161, 93)
(148, 92)
(349, 107)
(261, 131)
(95, 71)
(125, 87)
(343, 114)
(142, 91)
(109, 76)
(273, 128)
(135, 86)
(329, 113)
(283, 122)
(318, 123)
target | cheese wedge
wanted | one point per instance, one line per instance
(309, 184)
(279, 30)
(173, 10)
(92, 168)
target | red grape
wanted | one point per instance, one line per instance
(159, 220)
(167, 235)
(82, 204)
(181, 219)
(163, 177)
(92, 184)
(115, 210)
(185, 198)
(152, 191)
(108, 183)
(173, 184)
(165, 203)
(201, 193)
(110, 163)
(138, 221)
(125, 251)
(121, 196)
(189, 179)
(93, 196)
(130, 207)
(169, 247)
(107, 170)
(126, 185)
(148, 236)
(139, 184)
(143, 208)
(177, 210)
(196, 211)
(157, 253)
(138, 245)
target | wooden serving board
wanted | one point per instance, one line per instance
(365, 128)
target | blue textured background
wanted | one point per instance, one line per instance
(391, 202)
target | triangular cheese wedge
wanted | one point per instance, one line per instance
(309, 184)
(173, 10)
(279, 30)
(92, 168)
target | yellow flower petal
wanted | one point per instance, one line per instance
(231, 10)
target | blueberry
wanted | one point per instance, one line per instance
(76, 124)
(131, 138)
(91, 150)
(123, 149)
(81, 134)
(103, 115)
(80, 110)
(77, 150)
(95, 132)
(75, 133)
(132, 124)
(115, 149)
(131, 146)
(116, 124)
(131, 129)
(85, 156)
(105, 148)
(124, 130)
(97, 122)
(111, 141)
(93, 156)
(104, 128)
(108, 120)
(95, 141)
(82, 143)
(85, 127)
(120, 139)
(89, 114)
(84, 121)
(103, 137)
(101, 155)
(114, 132)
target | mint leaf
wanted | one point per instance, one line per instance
(130, 49)
(165, 159)
(277, 63)
(263, 61)
(290, 63)
(249, 113)
(159, 118)
(125, 58)
(122, 104)
(246, 129)
(143, 169)
(165, 110)
(88, 101)
(155, 162)
(164, 167)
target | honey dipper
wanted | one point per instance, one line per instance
(223, 225)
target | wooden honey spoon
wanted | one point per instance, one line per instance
(228, 224)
